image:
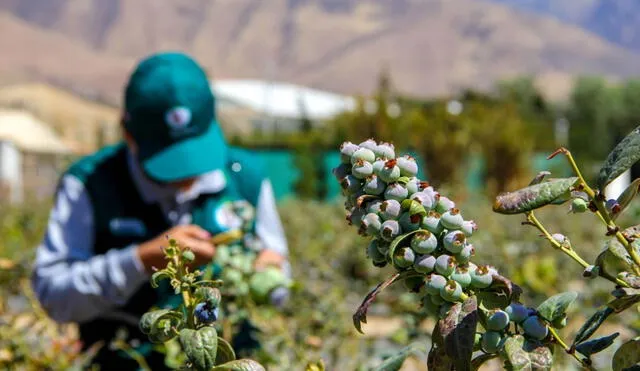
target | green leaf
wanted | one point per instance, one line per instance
(200, 346)
(596, 345)
(157, 276)
(398, 241)
(239, 365)
(625, 298)
(628, 355)
(149, 318)
(556, 306)
(210, 295)
(522, 354)
(533, 197)
(631, 279)
(360, 316)
(395, 362)
(225, 352)
(614, 258)
(627, 196)
(210, 283)
(623, 156)
(498, 296)
(458, 330)
(413, 207)
(157, 324)
(592, 325)
(539, 177)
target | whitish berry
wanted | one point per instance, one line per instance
(390, 210)
(374, 253)
(535, 328)
(362, 169)
(424, 263)
(468, 227)
(481, 277)
(431, 222)
(445, 265)
(341, 171)
(369, 144)
(491, 341)
(424, 242)
(350, 184)
(497, 320)
(408, 166)
(346, 151)
(452, 291)
(454, 241)
(374, 186)
(425, 199)
(396, 191)
(374, 207)
(462, 276)
(390, 229)
(435, 282)
(578, 205)
(452, 219)
(205, 314)
(468, 251)
(385, 150)
(378, 165)
(355, 217)
(404, 257)
(612, 206)
(559, 238)
(363, 154)
(444, 204)
(517, 312)
(390, 172)
(371, 224)
(409, 223)
(413, 185)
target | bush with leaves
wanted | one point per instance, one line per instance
(479, 313)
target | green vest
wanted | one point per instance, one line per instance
(122, 218)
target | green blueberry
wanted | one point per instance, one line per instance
(404, 257)
(491, 341)
(413, 284)
(390, 229)
(434, 283)
(452, 219)
(429, 307)
(369, 144)
(451, 292)
(454, 241)
(390, 210)
(383, 246)
(350, 184)
(374, 253)
(468, 227)
(497, 320)
(362, 169)
(517, 312)
(437, 299)
(371, 224)
(341, 171)
(578, 205)
(413, 185)
(374, 186)
(467, 252)
(445, 265)
(424, 242)
(363, 154)
(431, 222)
(424, 263)
(390, 172)
(355, 217)
(385, 150)
(462, 276)
(378, 165)
(374, 207)
(535, 328)
(396, 191)
(444, 204)
(347, 150)
(481, 277)
(408, 166)
(424, 198)
(409, 223)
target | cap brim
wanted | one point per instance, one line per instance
(189, 158)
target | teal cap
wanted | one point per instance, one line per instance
(170, 113)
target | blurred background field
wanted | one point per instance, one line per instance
(480, 92)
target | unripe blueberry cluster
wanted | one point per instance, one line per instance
(385, 200)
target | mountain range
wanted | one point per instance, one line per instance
(430, 47)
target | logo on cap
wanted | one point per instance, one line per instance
(178, 118)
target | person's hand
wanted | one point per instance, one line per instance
(268, 258)
(191, 236)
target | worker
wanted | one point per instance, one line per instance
(172, 176)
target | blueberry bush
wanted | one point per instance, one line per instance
(479, 313)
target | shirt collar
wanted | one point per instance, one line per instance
(211, 182)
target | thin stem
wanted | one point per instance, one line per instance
(556, 336)
(567, 250)
(186, 295)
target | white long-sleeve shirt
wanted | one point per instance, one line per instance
(75, 285)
